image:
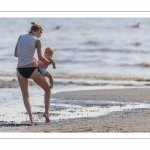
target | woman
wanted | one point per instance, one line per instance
(27, 67)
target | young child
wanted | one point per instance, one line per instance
(48, 54)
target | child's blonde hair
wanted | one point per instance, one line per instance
(49, 50)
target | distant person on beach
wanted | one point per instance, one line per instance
(48, 54)
(57, 27)
(137, 26)
(28, 68)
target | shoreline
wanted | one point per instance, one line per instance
(135, 120)
(124, 94)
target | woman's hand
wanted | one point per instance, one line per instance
(47, 62)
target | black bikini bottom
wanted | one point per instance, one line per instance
(26, 72)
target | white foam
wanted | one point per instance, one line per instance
(12, 107)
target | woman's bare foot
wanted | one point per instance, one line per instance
(32, 120)
(46, 117)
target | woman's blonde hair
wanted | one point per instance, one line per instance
(49, 50)
(35, 27)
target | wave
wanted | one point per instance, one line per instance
(8, 74)
(14, 83)
(92, 84)
(11, 83)
(82, 76)
(92, 42)
(137, 43)
(107, 49)
(145, 64)
(1, 59)
(114, 78)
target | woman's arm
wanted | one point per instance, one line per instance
(39, 51)
(16, 48)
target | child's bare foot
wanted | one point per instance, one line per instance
(46, 117)
(51, 86)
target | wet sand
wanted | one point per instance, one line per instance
(137, 120)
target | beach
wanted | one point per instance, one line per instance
(101, 83)
(134, 120)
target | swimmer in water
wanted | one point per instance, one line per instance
(137, 26)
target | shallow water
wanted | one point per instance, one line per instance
(12, 108)
(66, 110)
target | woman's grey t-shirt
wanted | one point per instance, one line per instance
(26, 49)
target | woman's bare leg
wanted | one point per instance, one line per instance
(41, 81)
(23, 82)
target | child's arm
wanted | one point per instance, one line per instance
(53, 62)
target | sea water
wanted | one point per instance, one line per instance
(84, 46)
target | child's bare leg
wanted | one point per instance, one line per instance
(50, 78)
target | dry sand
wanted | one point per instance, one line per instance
(132, 121)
